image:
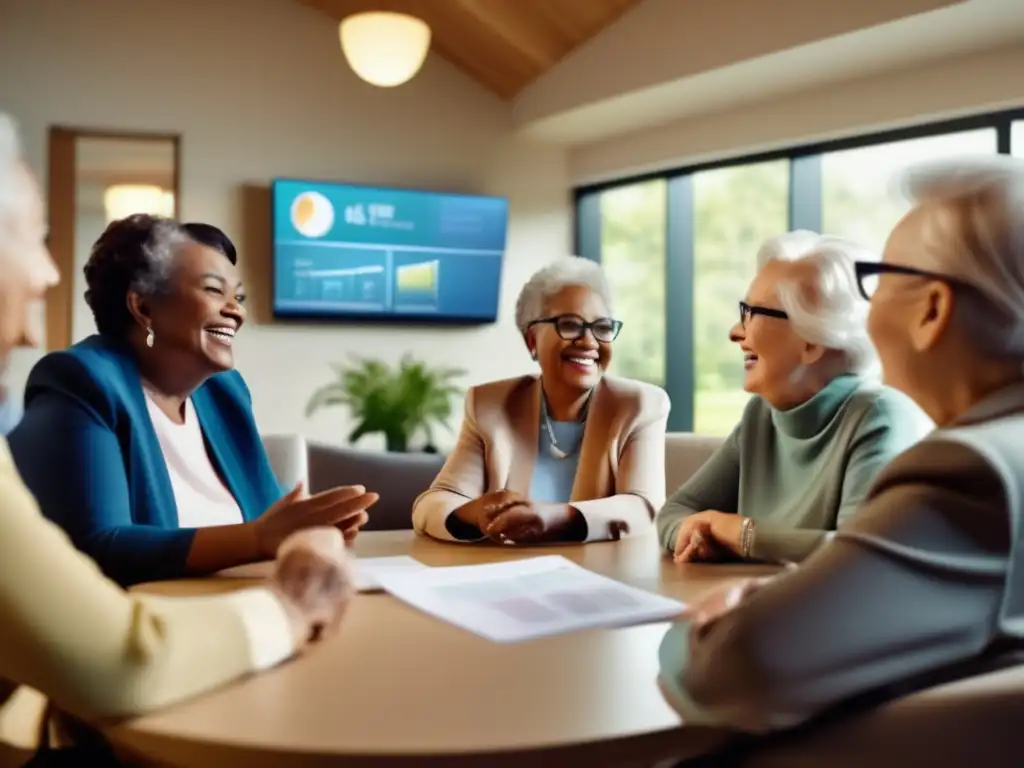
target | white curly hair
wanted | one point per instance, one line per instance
(549, 280)
(823, 302)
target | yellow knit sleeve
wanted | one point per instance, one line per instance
(98, 651)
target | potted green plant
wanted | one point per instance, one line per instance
(397, 401)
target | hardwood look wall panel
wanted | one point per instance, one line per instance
(61, 215)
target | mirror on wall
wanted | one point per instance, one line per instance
(97, 177)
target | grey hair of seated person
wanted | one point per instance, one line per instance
(549, 280)
(137, 254)
(823, 301)
(973, 231)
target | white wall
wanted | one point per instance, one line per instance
(258, 88)
(89, 225)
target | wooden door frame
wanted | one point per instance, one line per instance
(62, 184)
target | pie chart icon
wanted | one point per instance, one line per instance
(312, 214)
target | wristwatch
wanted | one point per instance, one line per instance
(746, 538)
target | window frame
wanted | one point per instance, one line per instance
(1009, 137)
(805, 212)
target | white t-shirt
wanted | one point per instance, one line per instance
(200, 495)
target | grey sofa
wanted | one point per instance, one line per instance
(401, 477)
(970, 722)
(398, 477)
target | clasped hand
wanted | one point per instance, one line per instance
(708, 536)
(510, 518)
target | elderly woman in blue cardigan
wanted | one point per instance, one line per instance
(140, 441)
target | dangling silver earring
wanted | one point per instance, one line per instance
(150, 337)
(533, 354)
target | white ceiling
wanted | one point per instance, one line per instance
(971, 25)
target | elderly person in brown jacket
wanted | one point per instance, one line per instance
(925, 578)
(571, 454)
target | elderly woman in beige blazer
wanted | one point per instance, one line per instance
(74, 635)
(925, 579)
(569, 455)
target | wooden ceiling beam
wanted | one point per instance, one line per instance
(527, 33)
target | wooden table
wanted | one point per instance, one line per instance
(396, 687)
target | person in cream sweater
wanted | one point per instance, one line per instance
(92, 649)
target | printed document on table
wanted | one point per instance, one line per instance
(527, 599)
(368, 570)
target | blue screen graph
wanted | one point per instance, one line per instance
(345, 251)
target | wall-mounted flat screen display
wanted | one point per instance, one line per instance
(342, 251)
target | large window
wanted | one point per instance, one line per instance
(735, 209)
(680, 247)
(633, 254)
(860, 198)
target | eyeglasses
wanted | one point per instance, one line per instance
(749, 310)
(573, 328)
(868, 273)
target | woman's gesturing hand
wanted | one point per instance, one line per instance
(313, 580)
(343, 507)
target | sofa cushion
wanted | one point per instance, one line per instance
(398, 477)
(685, 453)
(288, 458)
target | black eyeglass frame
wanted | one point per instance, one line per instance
(865, 269)
(749, 310)
(584, 327)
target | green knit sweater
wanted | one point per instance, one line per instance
(801, 472)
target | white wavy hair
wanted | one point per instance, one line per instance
(549, 280)
(823, 301)
(974, 232)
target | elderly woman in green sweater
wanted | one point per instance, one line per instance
(819, 427)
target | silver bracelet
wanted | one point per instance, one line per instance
(746, 537)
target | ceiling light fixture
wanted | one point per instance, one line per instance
(122, 200)
(384, 48)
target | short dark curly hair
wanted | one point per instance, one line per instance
(137, 254)
(212, 237)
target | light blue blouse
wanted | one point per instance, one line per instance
(553, 478)
(10, 415)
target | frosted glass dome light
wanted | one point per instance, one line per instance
(384, 48)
